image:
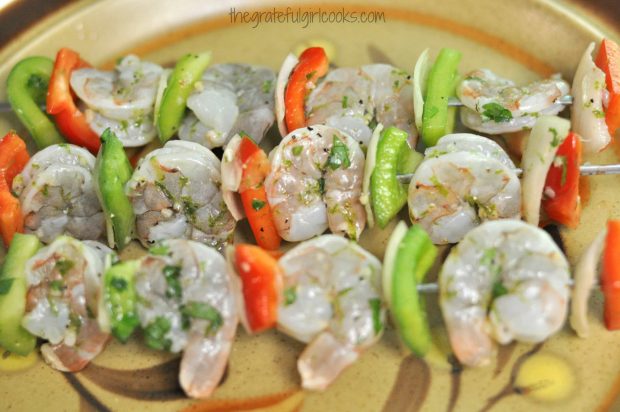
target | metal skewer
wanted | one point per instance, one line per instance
(584, 170)
(566, 99)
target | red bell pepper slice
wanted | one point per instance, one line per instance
(60, 102)
(610, 281)
(608, 60)
(13, 158)
(563, 181)
(261, 284)
(255, 167)
(313, 64)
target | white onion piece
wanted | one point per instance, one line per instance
(369, 166)
(547, 135)
(285, 71)
(587, 112)
(231, 178)
(420, 77)
(584, 280)
(388, 260)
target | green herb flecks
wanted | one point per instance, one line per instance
(172, 275)
(345, 101)
(338, 155)
(290, 296)
(257, 204)
(297, 150)
(375, 306)
(439, 186)
(496, 112)
(204, 311)
(555, 142)
(159, 250)
(64, 266)
(155, 333)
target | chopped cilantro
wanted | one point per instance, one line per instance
(172, 274)
(257, 204)
(345, 101)
(56, 285)
(204, 311)
(290, 296)
(439, 186)
(599, 114)
(267, 86)
(375, 306)
(64, 265)
(310, 75)
(297, 150)
(499, 289)
(155, 333)
(496, 112)
(338, 155)
(555, 142)
(322, 186)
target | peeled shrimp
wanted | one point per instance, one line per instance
(63, 282)
(315, 182)
(464, 180)
(175, 192)
(57, 194)
(122, 100)
(186, 293)
(522, 103)
(352, 100)
(332, 290)
(231, 98)
(505, 281)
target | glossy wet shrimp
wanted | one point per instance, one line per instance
(122, 100)
(459, 185)
(315, 182)
(332, 300)
(505, 281)
(175, 192)
(63, 282)
(57, 194)
(352, 100)
(496, 105)
(230, 98)
(186, 303)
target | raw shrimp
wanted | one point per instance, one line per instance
(185, 302)
(315, 182)
(332, 290)
(230, 98)
(496, 105)
(63, 282)
(352, 100)
(459, 185)
(122, 100)
(175, 192)
(505, 281)
(57, 194)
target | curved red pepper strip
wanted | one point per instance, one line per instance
(610, 281)
(608, 60)
(313, 64)
(563, 181)
(70, 120)
(13, 158)
(261, 284)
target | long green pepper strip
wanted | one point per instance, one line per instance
(119, 298)
(13, 337)
(415, 256)
(26, 90)
(387, 194)
(181, 83)
(113, 171)
(438, 118)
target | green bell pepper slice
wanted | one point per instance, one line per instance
(181, 83)
(409, 256)
(437, 118)
(119, 299)
(13, 288)
(26, 90)
(393, 156)
(112, 172)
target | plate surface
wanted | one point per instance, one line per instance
(522, 40)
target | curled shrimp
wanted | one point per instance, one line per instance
(352, 100)
(332, 290)
(122, 100)
(175, 192)
(61, 306)
(465, 179)
(57, 194)
(495, 105)
(505, 281)
(231, 98)
(186, 303)
(315, 182)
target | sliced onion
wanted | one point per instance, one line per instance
(231, 178)
(237, 287)
(369, 166)
(388, 260)
(584, 280)
(420, 77)
(285, 71)
(538, 156)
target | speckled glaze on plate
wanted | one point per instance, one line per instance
(520, 39)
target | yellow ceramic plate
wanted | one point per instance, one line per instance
(519, 39)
